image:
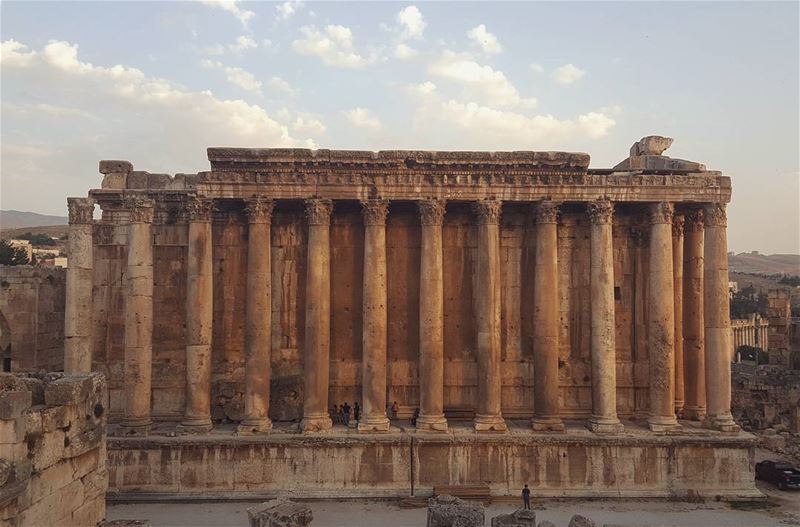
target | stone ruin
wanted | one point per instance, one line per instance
(280, 513)
(52, 449)
(518, 518)
(449, 511)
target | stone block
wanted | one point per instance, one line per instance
(48, 449)
(137, 180)
(91, 512)
(280, 513)
(115, 181)
(546, 523)
(13, 403)
(6, 470)
(69, 389)
(581, 521)
(113, 166)
(12, 431)
(449, 511)
(518, 518)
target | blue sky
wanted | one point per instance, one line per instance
(157, 82)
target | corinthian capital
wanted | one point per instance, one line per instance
(716, 215)
(431, 211)
(601, 212)
(199, 208)
(678, 222)
(487, 211)
(695, 220)
(81, 210)
(375, 211)
(140, 208)
(259, 209)
(661, 212)
(318, 211)
(546, 211)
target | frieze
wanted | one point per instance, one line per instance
(259, 209)
(81, 210)
(375, 211)
(716, 215)
(431, 211)
(601, 212)
(318, 211)
(487, 211)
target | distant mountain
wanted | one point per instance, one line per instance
(764, 264)
(15, 219)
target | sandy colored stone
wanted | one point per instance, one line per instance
(518, 518)
(449, 511)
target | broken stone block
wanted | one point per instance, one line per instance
(280, 513)
(449, 511)
(652, 145)
(581, 521)
(109, 166)
(518, 518)
(13, 403)
(68, 389)
(546, 523)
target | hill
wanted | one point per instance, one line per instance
(15, 219)
(765, 264)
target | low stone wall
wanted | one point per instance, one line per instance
(766, 396)
(52, 450)
(575, 464)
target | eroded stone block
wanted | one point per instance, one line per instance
(449, 511)
(518, 518)
(280, 513)
(581, 521)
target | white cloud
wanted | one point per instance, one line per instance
(485, 40)
(232, 6)
(13, 53)
(237, 76)
(242, 43)
(537, 68)
(423, 89)
(363, 118)
(304, 124)
(567, 74)
(412, 23)
(278, 84)
(333, 45)
(403, 51)
(477, 79)
(287, 9)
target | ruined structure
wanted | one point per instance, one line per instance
(751, 331)
(493, 289)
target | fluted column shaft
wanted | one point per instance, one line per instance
(258, 317)
(138, 354)
(545, 319)
(717, 321)
(318, 316)
(78, 305)
(694, 359)
(603, 343)
(431, 318)
(677, 281)
(489, 417)
(661, 320)
(374, 338)
(199, 315)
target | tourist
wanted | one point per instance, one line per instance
(334, 413)
(394, 410)
(346, 414)
(356, 411)
(415, 416)
(526, 497)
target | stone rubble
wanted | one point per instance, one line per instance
(280, 513)
(518, 518)
(449, 511)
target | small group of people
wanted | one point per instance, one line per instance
(341, 414)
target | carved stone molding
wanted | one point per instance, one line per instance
(661, 212)
(259, 209)
(81, 210)
(431, 211)
(199, 209)
(375, 211)
(601, 212)
(546, 211)
(716, 215)
(695, 220)
(318, 211)
(140, 208)
(488, 211)
(678, 222)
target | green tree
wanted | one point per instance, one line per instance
(38, 240)
(10, 255)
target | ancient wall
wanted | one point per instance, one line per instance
(289, 233)
(52, 449)
(32, 318)
(766, 396)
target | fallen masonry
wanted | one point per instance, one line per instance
(518, 518)
(280, 513)
(449, 511)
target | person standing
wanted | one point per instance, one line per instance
(346, 414)
(394, 410)
(356, 411)
(526, 497)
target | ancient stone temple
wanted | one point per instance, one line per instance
(550, 323)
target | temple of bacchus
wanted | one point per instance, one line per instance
(553, 324)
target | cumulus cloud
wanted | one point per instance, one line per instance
(278, 84)
(232, 6)
(403, 51)
(412, 23)
(567, 74)
(288, 9)
(304, 124)
(481, 37)
(13, 53)
(237, 76)
(363, 118)
(333, 45)
(242, 43)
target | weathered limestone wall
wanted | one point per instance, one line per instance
(32, 317)
(577, 463)
(52, 449)
(289, 254)
(766, 396)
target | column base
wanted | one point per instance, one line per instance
(547, 424)
(722, 423)
(604, 425)
(490, 423)
(316, 423)
(694, 413)
(377, 424)
(195, 425)
(431, 423)
(679, 408)
(662, 424)
(254, 426)
(135, 426)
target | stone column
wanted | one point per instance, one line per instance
(258, 317)
(318, 316)
(431, 318)
(603, 345)
(717, 321)
(661, 320)
(677, 281)
(138, 357)
(489, 417)
(374, 338)
(545, 319)
(694, 360)
(78, 305)
(199, 315)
